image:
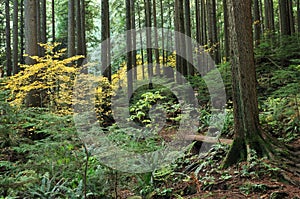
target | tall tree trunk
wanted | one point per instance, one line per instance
(188, 29)
(184, 68)
(106, 70)
(269, 16)
(203, 23)
(198, 24)
(8, 39)
(257, 23)
(79, 32)
(43, 24)
(15, 37)
(31, 47)
(129, 48)
(53, 20)
(141, 43)
(162, 21)
(78, 27)
(22, 23)
(177, 41)
(71, 28)
(226, 30)
(156, 51)
(83, 28)
(285, 28)
(298, 15)
(38, 26)
(212, 29)
(247, 132)
(291, 16)
(149, 40)
(132, 5)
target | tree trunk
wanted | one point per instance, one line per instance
(182, 47)
(226, 30)
(78, 29)
(203, 23)
(164, 53)
(43, 25)
(83, 28)
(269, 16)
(257, 23)
(298, 15)
(188, 29)
(212, 29)
(31, 47)
(132, 8)
(80, 44)
(22, 23)
(141, 43)
(247, 132)
(291, 16)
(149, 40)
(8, 39)
(53, 20)
(285, 28)
(129, 48)
(71, 28)
(156, 51)
(106, 70)
(38, 26)
(15, 37)
(177, 41)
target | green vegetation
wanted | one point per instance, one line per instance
(42, 156)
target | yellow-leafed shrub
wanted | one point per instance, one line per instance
(51, 77)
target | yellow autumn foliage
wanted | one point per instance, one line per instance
(51, 76)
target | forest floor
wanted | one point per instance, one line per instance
(259, 179)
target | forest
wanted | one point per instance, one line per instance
(150, 99)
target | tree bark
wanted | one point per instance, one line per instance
(257, 23)
(43, 25)
(15, 37)
(285, 28)
(134, 66)
(78, 29)
(71, 28)
(8, 39)
(141, 44)
(129, 48)
(269, 16)
(22, 23)
(106, 70)
(149, 40)
(83, 28)
(291, 16)
(53, 20)
(226, 30)
(188, 28)
(298, 15)
(247, 131)
(203, 23)
(31, 47)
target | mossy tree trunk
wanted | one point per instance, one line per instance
(247, 132)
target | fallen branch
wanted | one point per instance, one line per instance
(207, 139)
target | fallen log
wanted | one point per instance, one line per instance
(208, 139)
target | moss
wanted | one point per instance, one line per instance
(237, 153)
